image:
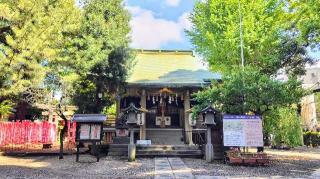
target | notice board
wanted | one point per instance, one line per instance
(88, 131)
(242, 130)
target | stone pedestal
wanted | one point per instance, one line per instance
(131, 152)
(131, 147)
(209, 147)
(209, 152)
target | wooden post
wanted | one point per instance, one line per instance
(78, 152)
(162, 123)
(95, 150)
(187, 127)
(143, 103)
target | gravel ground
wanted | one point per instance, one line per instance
(52, 167)
(301, 162)
(297, 163)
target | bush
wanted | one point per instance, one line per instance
(110, 111)
(285, 126)
(6, 107)
(311, 138)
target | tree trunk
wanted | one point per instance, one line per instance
(63, 131)
(61, 139)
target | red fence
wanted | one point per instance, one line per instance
(27, 132)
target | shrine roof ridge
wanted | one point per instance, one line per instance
(155, 51)
(89, 118)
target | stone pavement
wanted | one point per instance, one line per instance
(175, 168)
(170, 168)
(316, 174)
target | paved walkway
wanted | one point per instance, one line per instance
(169, 168)
(316, 174)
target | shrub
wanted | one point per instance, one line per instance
(6, 107)
(285, 126)
(311, 138)
(111, 111)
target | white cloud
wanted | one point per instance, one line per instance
(315, 65)
(184, 21)
(149, 32)
(172, 3)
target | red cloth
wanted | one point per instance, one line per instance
(27, 132)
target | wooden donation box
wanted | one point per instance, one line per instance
(89, 129)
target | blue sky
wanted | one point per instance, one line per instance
(160, 24)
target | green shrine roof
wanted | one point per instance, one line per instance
(166, 68)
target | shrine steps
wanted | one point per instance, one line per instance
(116, 149)
(165, 136)
(156, 150)
(169, 151)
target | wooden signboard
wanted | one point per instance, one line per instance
(89, 129)
(242, 131)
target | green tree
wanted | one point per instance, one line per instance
(6, 107)
(30, 36)
(250, 91)
(101, 54)
(33, 40)
(306, 19)
(276, 35)
(253, 92)
(269, 41)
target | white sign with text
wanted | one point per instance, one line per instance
(242, 131)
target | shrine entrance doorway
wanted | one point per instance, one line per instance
(164, 112)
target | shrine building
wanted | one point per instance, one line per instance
(162, 82)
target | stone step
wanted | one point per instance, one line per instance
(170, 155)
(161, 152)
(167, 147)
(169, 151)
(155, 150)
(165, 136)
(115, 149)
(118, 153)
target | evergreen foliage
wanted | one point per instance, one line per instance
(31, 34)
(6, 107)
(102, 57)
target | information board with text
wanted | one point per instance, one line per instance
(90, 132)
(242, 130)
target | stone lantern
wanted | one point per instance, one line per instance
(209, 120)
(132, 113)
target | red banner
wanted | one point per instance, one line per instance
(27, 132)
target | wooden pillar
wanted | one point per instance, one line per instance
(143, 104)
(187, 127)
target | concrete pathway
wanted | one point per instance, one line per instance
(171, 168)
(316, 174)
(175, 168)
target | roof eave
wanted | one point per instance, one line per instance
(170, 85)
